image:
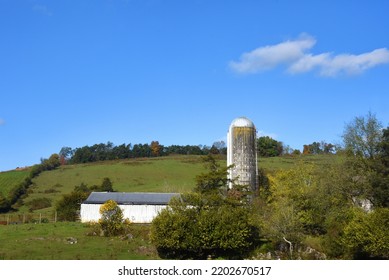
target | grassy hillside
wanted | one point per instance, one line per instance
(170, 174)
(165, 174)
(279, 163)
(10, 179)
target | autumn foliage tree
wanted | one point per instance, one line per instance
(156, 148)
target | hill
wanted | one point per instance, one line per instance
(162, 174)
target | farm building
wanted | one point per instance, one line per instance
(137, 207)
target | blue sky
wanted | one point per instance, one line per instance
(75, 73)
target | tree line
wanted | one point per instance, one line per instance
(18, 192)
(108, 151)
(266, 147)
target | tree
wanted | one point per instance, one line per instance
(366, 236)
(156, 149)
(363, 135)
(214, 150)
(68, 206)
(111, 221)
(220, 146)
(65, 154)
(213, 180)
(317, 148)
(307, 150)
(380, 177)
(206, 222)
(194, 229)
(290, 213)
(268, 147)
(106, 185)
(328, 148)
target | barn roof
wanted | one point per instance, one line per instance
(130, 198)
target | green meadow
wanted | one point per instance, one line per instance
(72, 241)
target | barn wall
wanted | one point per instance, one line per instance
(135, 213)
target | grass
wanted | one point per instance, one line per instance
(164, 174)
(56, 241)
(274, 164)
(167, 174)
(10, 179)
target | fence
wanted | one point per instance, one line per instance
(24, 218)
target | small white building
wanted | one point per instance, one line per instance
(137, 207)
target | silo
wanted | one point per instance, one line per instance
(242, 153)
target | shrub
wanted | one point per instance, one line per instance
(196, 233)
(207, 222)
(366, 236)
(69, 205)
(51, 190)
(111, 222)
(106, 185)
(39, 203)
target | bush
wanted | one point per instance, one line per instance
(111, 222)
(68, 207)
(366, 236)
(39, 203)
(106, 186)
(193, 233)
(208, 222)
(51, 190)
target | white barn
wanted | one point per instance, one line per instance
(137, 207)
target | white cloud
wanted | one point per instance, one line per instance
(293, 55)
(308, 62)
(268, 57)
(340, 64)
(2, 122)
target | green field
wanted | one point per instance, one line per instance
(164, 174)
(10, 179)
(71, 241)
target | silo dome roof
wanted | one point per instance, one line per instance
(242, 122)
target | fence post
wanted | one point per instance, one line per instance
(40, 217)
(55, 217)
(7, 219)
(24, 218)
